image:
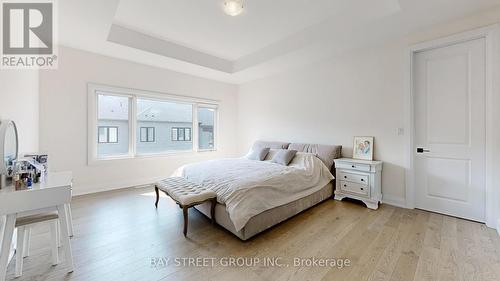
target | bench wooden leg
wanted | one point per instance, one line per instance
(212, 210)
(157, 196)
(185, 212)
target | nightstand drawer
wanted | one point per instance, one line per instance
(353, 166)
(355, 188)
(355, 178)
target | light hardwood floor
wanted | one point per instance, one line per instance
(117, 233)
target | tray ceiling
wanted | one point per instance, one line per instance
(196, 37)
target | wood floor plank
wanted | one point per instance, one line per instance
(489, 264)
(468, 249)
(118, 233)
(450, 261)
(387, 262)
(433, 233)
(406, 265)
(357, 250)
(427, 267)
(368, 261)
(495, 240)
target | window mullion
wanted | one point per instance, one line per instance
(133, 126)
(194, 132)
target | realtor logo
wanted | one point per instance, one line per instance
(28, 35)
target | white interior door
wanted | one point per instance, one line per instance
(450, 131)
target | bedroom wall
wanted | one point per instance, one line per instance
(19, 102)
(358, 94)
(63, 118)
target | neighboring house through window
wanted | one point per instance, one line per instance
(127, 123)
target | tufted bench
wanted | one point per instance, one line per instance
(186, 194)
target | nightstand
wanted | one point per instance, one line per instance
(359, 179)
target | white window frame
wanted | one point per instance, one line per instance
(133, 94)
(216, 127)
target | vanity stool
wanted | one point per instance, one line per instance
(51, 195)
(186, 194)
(23, 244)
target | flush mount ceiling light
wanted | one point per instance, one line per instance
(233, 7)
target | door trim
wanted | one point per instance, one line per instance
(491, 34)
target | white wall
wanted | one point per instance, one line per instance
(329, 103)
(63, 118)
(360, 93)
(19, 102)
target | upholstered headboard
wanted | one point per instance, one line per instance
(270, 144)
(326, 153)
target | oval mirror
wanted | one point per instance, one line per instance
(8, 146)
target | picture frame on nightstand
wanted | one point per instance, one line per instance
(363, 148)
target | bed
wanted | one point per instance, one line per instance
(253, 196)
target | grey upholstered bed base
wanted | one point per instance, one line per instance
(268, 218)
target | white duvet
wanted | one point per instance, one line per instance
(250, 187)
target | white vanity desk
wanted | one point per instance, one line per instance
(53, 194)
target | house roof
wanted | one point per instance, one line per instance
(162, 111)
(117, 108)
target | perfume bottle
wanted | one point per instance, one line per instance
(17, 181)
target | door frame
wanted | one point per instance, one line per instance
(491, 34)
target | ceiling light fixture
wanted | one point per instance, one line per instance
(233, 7)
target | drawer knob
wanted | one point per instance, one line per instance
(345, 177)
(353, 166)
(362, 189)
(345, 185)
(362, 179)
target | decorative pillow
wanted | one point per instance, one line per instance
(284, 156)
(258, 154)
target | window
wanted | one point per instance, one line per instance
(112, 125)
(206, 128)
(125, 123)
(108, 134)
(164, 115)
(181, 134)
(147, 134)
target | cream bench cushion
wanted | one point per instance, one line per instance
(185, 193)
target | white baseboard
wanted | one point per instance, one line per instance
(83, 190)
(394, 200)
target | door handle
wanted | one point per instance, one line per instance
(422, 150)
